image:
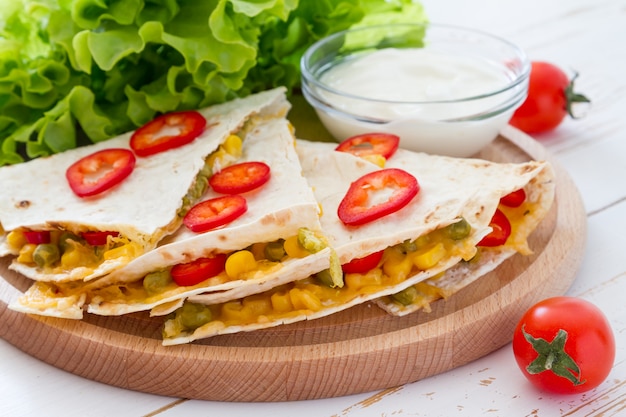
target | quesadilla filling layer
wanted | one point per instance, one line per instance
(227, 271)
(316, 295)
(81, 252)
(249, 264)
(522, 215)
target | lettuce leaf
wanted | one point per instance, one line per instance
(74, 72)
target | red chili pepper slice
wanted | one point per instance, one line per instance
(37, 237)
(99, 171)
(384, 144)
(357, 208)
(500, 233)
(166, 132)
(97, 238)
(364, 264)
(195, 272)
(215, 212)
(240, 178)
(514, 199)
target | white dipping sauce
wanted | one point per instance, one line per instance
(398, 79)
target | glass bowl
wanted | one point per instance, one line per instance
(443, 89)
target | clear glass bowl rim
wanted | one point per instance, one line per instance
(310, 78)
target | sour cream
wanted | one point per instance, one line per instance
(437, 102)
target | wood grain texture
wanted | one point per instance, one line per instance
(358, 350)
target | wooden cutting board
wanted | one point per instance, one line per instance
(358, 350)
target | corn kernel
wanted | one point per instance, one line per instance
(397, 265)
(233, 145)
(240, 263)
(16, 239)
(281, 302)
(429, 257)
(232, 311)
(130, 250)
(26, 253)
(257, 305)
(294, 249)
(358, 281)
(70, 258)
(376, 159)
(77, 255)
(216, 157)
(304, 300)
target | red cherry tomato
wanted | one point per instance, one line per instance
(500, 233)
(166, 132)
(384, 144)
(564, 345)
(240, 178)
(99, 171)
(363, 265)
(216, 212)
(514, 199)
(37, 237)
(357, 208)
(195, 272)
(97, 238)
(550, 98)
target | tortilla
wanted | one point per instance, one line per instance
(451, 190)
(282, 208)
(142, 209)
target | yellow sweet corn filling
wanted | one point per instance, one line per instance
(424, 293)
(311, 294)
(67, 251)
(258, 260)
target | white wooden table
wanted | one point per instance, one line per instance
(585, 35)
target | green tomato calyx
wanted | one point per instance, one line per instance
(552, 357)
(572, 97)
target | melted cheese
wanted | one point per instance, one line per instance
(428, 292)
(309, 295)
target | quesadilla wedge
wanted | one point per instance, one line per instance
(276, 240)
(85, 236)
(525, 208)
(433, 232)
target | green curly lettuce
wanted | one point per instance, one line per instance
(74, 72)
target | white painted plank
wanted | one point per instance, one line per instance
(32, 388)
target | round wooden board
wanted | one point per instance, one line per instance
(358, 350)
